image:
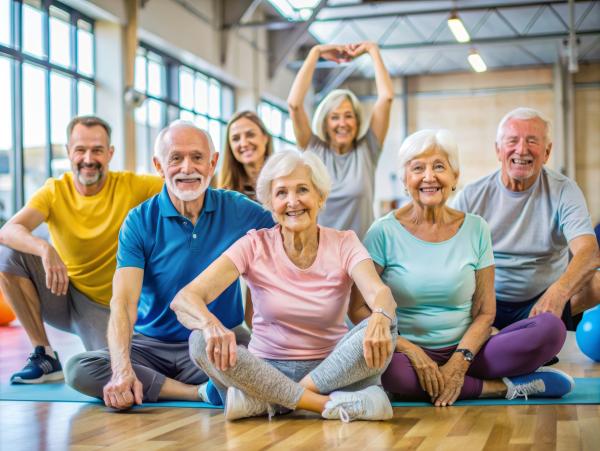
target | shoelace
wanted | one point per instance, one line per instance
(347, 411)
(524, 390)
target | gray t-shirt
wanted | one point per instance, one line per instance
(350, 203)
(531, 230)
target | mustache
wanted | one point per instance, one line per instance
(96, 166)
(193, 176)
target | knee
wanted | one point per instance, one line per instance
(79, 373)
(552, 331)
(197, 346)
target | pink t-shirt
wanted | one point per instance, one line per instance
(298, 313)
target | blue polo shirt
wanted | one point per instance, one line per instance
(172, 252)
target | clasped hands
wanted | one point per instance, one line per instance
(339, 53)
(442, 383)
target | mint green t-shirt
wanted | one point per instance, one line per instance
(432, 283)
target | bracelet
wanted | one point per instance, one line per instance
(384, 313)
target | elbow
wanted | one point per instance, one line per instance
(293, 105)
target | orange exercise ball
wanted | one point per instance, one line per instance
(6, 314)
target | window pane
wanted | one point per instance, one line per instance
(155, 78)
(60, 38)
(201, 94)
(228, 106)
(34, 128)
(214, 129)
(140, 73)
(85, 98)
(214, 99)
(186, 88)
(60, 115)
(85, 51)
(5, 22)
(155, 113)
(6, 141)
(141, 113)
(186, 115)
(289, 130)
(276, 120)
(202, 122)
(144, 148)
(32, 31)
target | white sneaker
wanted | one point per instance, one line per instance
(240, 405)
(370, 403)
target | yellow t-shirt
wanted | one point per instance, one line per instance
(85, 229)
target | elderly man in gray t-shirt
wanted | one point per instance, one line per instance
(536, 216)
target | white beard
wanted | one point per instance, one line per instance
(187, 195)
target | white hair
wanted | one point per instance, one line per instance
(284, 163)
(524, 114)
(161, 147)
(331, 101)
(424, 140)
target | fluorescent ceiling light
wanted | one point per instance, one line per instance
(476, 61)
(295, 10)
(458, 29)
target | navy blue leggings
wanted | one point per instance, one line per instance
(520, 348)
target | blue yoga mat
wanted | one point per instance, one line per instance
(587, 391)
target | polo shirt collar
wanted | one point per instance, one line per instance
(167, 209)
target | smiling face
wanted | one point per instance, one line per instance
(248, 142)
(90, 152)
(429, 178)
(188, 166)
(296, 201)
(523, 151)
(341, 125)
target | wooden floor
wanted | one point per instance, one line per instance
(57, 426)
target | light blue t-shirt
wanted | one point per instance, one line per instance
(172, 252)
(531, 229)
(433, 283)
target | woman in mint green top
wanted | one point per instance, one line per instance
(439, 265)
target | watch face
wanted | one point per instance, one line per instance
(468, 355)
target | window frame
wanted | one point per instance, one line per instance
(17, 58)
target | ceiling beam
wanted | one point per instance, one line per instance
(285, 24)
(294, 65)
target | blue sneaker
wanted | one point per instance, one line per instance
(543, 383)
(40, 368)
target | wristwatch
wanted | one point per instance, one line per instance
(467, 355)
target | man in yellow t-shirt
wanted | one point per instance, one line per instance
(68, 284)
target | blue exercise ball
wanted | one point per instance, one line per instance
(588, 334)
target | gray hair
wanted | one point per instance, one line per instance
(160, 146)
(524, 114)
(284, 163)
(420, 142)
(331, 102)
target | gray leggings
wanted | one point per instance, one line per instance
(344, 368)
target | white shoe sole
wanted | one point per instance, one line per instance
(52, 377)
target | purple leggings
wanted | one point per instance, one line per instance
(520, 348)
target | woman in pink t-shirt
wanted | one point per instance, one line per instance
(301, 355)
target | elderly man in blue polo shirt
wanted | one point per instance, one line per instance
(164, 244)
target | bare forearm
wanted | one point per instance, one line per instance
(303, 79)
(580, 271)
(382, 298)
(477, 333)
(383, 81)
(120, 330)
(191, 310)
(19, 237)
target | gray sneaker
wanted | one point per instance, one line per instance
(240, 405)
(370, 403)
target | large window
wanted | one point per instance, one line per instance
(46, 77)
(279, 124)
(174, 90)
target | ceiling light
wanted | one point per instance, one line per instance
(458, 28)
(476, 61)
(295, 10)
